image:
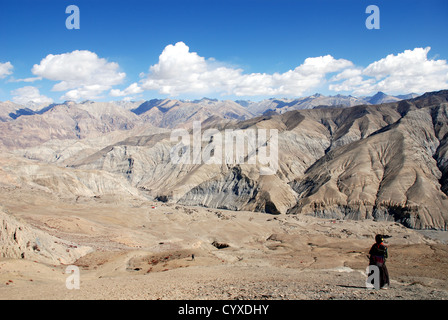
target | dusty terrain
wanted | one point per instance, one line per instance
(135, 249)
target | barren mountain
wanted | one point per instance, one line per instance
(65, 121)
(383, 162)
(90, 119)
(319, 101)
(10, 111)
(314, 101)
(381, 97)
(174, 113)
(61, 182)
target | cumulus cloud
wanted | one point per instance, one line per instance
(132, 89)
(5, 69)
(82, 73)
(180, 71)
(29, 94)
(409, 71)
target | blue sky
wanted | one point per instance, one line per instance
(225, 49)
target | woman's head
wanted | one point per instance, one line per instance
(379, 238)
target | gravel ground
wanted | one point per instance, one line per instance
(145, 253)
(223, 283)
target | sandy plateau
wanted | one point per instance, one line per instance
(135, 249)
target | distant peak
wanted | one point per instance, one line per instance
(205, 99)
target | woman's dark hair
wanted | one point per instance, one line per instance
(379, 238)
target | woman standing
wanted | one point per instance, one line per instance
(378, 255)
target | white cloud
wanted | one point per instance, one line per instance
(89, 92)
(29, 94)
(5, 69)
(409, 71)
(31, 79)
(180, 71)
(347, 74)
(83, 73)
(132, 89)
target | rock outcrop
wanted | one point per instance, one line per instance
(19, 240)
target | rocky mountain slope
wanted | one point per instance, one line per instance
(383, 162)
(22, 127)
(174, 113)
(79, 120)
(314, 101)
(319, 101)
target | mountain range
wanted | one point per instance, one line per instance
(379, 157)
(71, 120)
(11, 111)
